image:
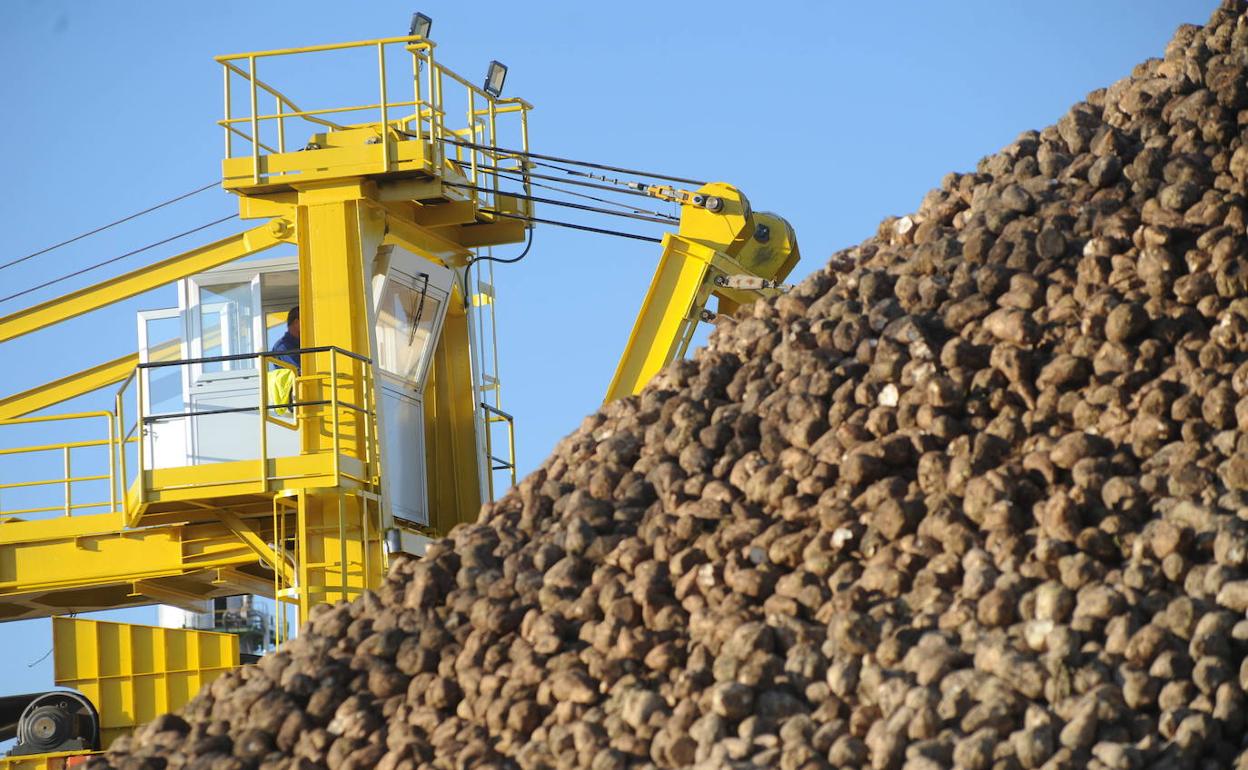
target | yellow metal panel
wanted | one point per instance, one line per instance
(399, 190)
(138, 281)
(491, 233)
(269, 206)
(444, 214)
(136, 556)
(725, 230)
(667, 315)
(330, 163)
(242, 477)
(134, 673)
(453, 460)
(70, 386)
(418, 240)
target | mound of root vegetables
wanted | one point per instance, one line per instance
(973, 495)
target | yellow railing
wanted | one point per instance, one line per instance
(421, 114)
(68, 478)
(325, 386)
(126, 432)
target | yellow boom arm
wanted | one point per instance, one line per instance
(722, 249)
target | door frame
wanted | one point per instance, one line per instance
(144, 349)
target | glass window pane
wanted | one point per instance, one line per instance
(164, 383)
(279, 292)
(404, 327)
(225, 315)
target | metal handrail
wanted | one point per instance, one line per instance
(66, 449)
(246, 356)
(269, 362)
(425, 103)
(322, 111)
(412, 39)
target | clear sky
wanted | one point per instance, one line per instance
(833, 114)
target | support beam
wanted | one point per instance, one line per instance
(163, 594)
(243, 582)
(339, 237)
(88, 563)
(254, 541)
(67, 387)
(418, 240)
(668, 314)
(144, 279)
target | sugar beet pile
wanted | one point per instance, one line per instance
(975, 494)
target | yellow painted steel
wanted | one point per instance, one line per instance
(454, 459)
(337, 234)
(65, 451)
(711, 247)
(85, 563)
(133, 673)
(666, 315)
(138, 281)
(70, 386)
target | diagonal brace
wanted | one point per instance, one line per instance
(144, 279)
(67, 387)
(255, 542)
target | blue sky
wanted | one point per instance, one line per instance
(832, 114)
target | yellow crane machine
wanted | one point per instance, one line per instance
(220, 468)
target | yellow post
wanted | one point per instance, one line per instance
(338, 238)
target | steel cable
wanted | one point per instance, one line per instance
(557, 159)
(574, 193)
(102, 228)
(574, 226)
(519, 175)
(489, 258)
(661, 219)
(117, 258)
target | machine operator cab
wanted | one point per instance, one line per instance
(204, 406)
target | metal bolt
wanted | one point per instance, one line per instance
(280, 228)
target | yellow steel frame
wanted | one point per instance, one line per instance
(132, 673)
(144, 279)
(710, 246)
(65, 450)
(71, 386)
(455, 462)
(182, 534)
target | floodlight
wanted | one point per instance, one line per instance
(421, 25)
(495, 76)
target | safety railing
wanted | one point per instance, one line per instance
(494, 417)
(424, 111)
(64, 483)
(306, 401)
(315, 407)
(482, 302)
